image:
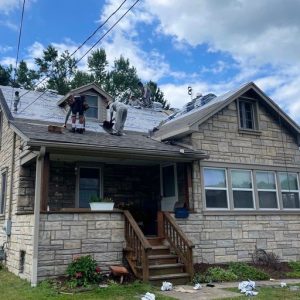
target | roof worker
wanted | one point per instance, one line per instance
(146, 94)
(16, 101)
(120, 110)
(77, 106)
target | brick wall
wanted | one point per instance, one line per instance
(233, 236)
(65, 236)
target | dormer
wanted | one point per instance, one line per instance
(96, 98)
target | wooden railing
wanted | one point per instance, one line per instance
(137, 247)
(169, 229)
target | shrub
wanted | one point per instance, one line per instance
(244, 271)
(295, 266)
(215, 274)
(83, 271)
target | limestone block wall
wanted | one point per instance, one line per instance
(65, 236)
(22, 225)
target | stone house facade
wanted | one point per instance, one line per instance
(233, 162)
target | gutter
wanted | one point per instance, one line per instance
(180, 154)
(37, 205)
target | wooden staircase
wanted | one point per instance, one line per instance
(162, 258)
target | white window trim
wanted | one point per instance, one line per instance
(269, 190)
(254, 113)
(243, 189)
(82, 166)
(216, 188)
(290, 191)
(3, 171)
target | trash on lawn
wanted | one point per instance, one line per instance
(148, 296)
(210, 285)
(197, 286)
(283, 284)
(166, 286)
(103, 285)
(247, 288)
(181, 289)
(294, 288)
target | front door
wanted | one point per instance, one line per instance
(169, 190)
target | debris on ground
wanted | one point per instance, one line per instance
(283, 284)
(247, 288)
(119, 271)
(183, 290)
(197, 286)
(166, 286)
(148, 296)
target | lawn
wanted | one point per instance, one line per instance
(14, 288)
(270, 293)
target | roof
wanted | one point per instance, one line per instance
(187, 123)
(37, 135)
(31, 123)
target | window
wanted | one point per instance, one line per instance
(215, 183)
(289, 190)
(92, 101)
(247, 113)
(89, 185)
(3, 193)
(266, 188)
(242, 188)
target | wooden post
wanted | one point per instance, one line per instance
(160, 224)
(189, 183)
(45, 183)
(145, 265)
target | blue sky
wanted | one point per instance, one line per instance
(211, 45)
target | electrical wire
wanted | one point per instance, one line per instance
(81, 45)
(18, 49)
(77, 61)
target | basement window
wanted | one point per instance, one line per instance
(22, 261)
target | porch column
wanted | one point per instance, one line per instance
(189, 186)
(45, 183)
(37, 205)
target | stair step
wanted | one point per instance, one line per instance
(160, 249)
(162, 259)
(178, 278)
(154, 241)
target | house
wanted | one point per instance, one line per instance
(233, 162)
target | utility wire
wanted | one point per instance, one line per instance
(130, 8)
(18, 49)
(82, 44)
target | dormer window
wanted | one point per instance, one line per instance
(248, 115)
(92, 101)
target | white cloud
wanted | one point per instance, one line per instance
(4, 49)
(7, 6)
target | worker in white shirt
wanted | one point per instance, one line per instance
(120, 110)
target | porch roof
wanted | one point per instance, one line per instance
(101, 143)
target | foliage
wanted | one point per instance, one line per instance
(245, 272)
(84, 271)
(215, 274)
(97, 64)
(263, 258)
(295, 266)
(25, 77)
(81, 78)
(15, 288)
(5, 75)
(157, 95)
(95, 198)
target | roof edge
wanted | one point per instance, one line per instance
(5, 107)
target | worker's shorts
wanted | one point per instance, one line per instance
(77, 108)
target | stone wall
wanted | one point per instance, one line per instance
(22, 225)
(65, 236)
(233, 235)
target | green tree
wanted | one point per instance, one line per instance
(157, 95)
(97, 64)
(81, 78)
(122, 78)
(25, 77)
(5, 75)
(58, 68)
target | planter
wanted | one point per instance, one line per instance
(102, 205)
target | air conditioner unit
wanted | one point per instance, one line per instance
(7, 227)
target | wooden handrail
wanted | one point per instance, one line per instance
(138, 245)
(179, 242)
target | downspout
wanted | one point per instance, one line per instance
(12, 166)
(37, 205)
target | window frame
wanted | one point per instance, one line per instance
(214, 188)
(87, 166)
(267, 190)
(288, 191)
(91, 106)
(1, 127)
(243, 189)
(254, 109)
(3, 194)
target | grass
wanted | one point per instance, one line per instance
(14, 288)
(269, 293)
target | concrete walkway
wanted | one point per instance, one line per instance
(186, 292)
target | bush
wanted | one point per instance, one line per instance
(83, 271)
(245, 272)
(295, 266)
(215, 274)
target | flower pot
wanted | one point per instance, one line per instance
(102, 205)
